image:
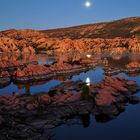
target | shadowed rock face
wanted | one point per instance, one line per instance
(110, 37)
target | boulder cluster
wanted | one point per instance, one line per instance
(26, 69)
(33, 113)
(31, 41)
(41, 72)
(133, 65)
(13, 61)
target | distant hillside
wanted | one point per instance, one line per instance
(124, 28)
(118, 36)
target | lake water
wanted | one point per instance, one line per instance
(88, 127)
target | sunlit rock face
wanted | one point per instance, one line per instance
(98, 46)
(12, 46)
(134, 45)
(95, 46)
(133, 65)
(8, 45)
(27, 41)
(29, 50)
(110, 37)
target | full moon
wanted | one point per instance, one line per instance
(87, 4)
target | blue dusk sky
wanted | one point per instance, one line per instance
(47, 14)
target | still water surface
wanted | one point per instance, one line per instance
(126, 126)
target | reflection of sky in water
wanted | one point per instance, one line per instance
(95, 75)
(45, 87)
(126, 126)
(46, 62)
(39, 88)
(11, 88)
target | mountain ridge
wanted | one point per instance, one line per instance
(117, 36)
(96, 30)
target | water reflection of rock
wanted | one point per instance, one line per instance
(38, 83)
(118, 63)
(15, 60)
(133, 72)
(125, 64)
(62, 68)
(85, 119)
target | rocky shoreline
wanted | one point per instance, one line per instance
(11, 66)
(5, 79)
(112, 71)
(30, 116)
(46, 73)
(33, 72)
(33, 113)
(132, 68)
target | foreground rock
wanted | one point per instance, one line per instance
(4, 78)
(33, 113)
